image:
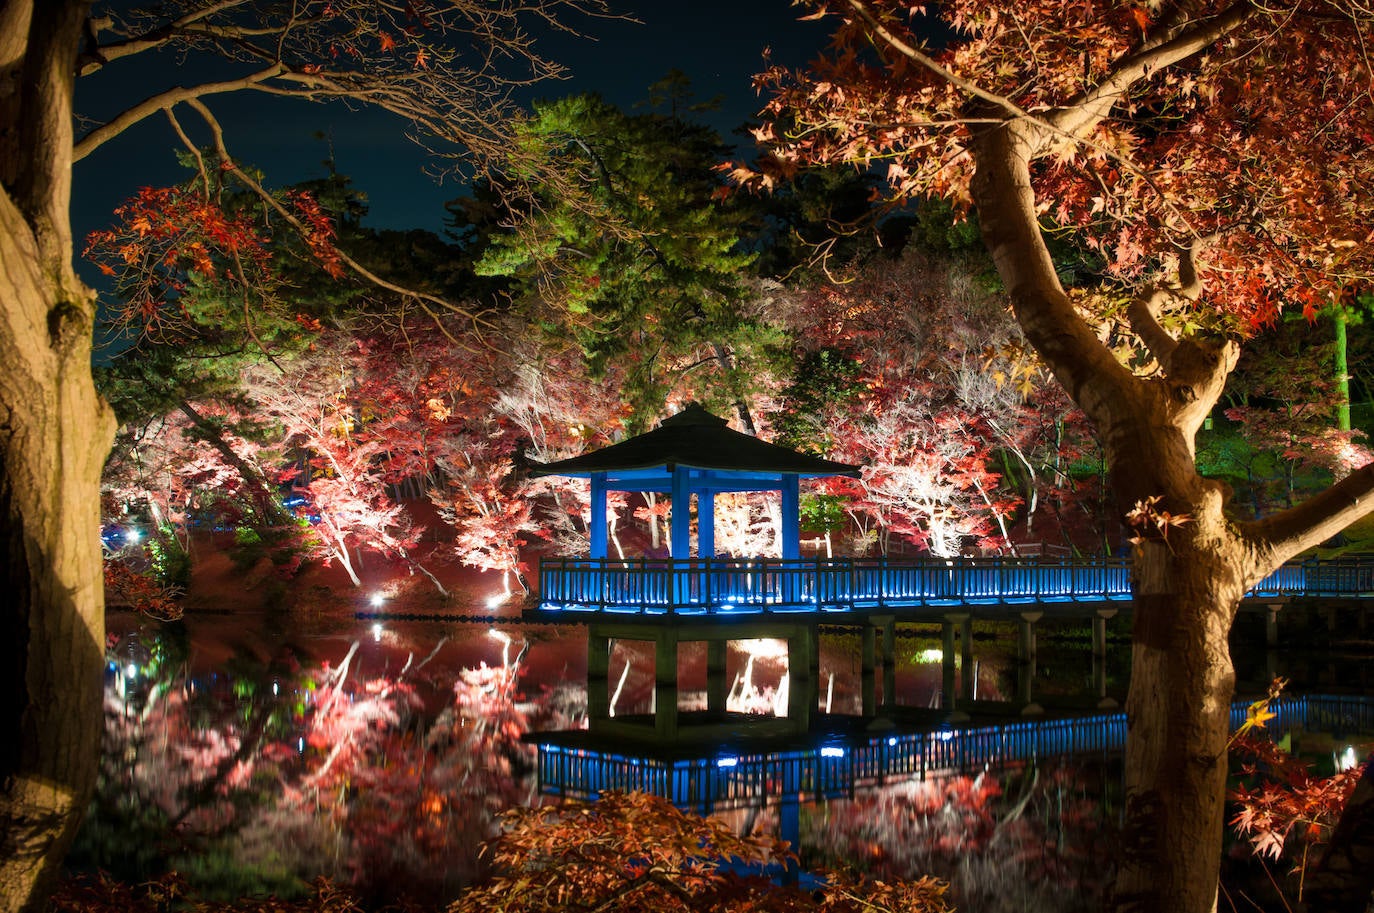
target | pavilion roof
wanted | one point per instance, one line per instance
(695, 439)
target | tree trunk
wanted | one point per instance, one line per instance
(1340, 368)
(1189, 577)
(1178, 713)
(54, 435)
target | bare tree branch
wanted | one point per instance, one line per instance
(432, 305)
(1280, 536)
(163, 101)
(1144, 310)
(1081, 114)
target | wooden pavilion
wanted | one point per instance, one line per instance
(693, 456)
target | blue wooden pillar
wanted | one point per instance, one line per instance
(791, 516)
(597, 531)
(706, 523)
(681, 514)
(680, 520)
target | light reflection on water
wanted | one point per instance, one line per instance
(382, 757)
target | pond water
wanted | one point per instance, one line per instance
(252, 757)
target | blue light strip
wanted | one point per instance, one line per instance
(836, 769)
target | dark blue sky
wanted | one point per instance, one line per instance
(718, 44)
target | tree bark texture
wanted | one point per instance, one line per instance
(54, 434)
(1189, 579)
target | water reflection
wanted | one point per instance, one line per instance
(258, 770)
(382, 756)
(1036, 837)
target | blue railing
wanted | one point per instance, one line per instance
(836, 768)
(736, 586)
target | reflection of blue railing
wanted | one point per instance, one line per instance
(836, 768)
(737, 586)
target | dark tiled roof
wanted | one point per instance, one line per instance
(697, 439)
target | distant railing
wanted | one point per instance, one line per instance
(739, 586)
(837, 768)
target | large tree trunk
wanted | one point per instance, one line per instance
(1178, 718)
(54, 434)
(1190, 577)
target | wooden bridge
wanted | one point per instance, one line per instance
(708, 779)
(732, 587)
(717, 600)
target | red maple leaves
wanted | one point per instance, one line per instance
(169, 241)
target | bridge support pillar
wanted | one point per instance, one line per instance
(803, 662)
(968, 687)
(598, 677)
(665, 682)
(715, 675)
(1271, 625)
(868, 668)
(889, 662)
(1331, 615)
(947, 664)
(1026, 654)
(1100, 619)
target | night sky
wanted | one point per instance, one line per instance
(719, 44)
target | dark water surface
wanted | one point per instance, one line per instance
(251, 757)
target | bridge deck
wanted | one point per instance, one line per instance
(832, 588)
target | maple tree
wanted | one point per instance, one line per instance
(445, 69)
(1282, 436)
(343, 498)
(1283, 809)
(932, 399)
(1216, 157)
